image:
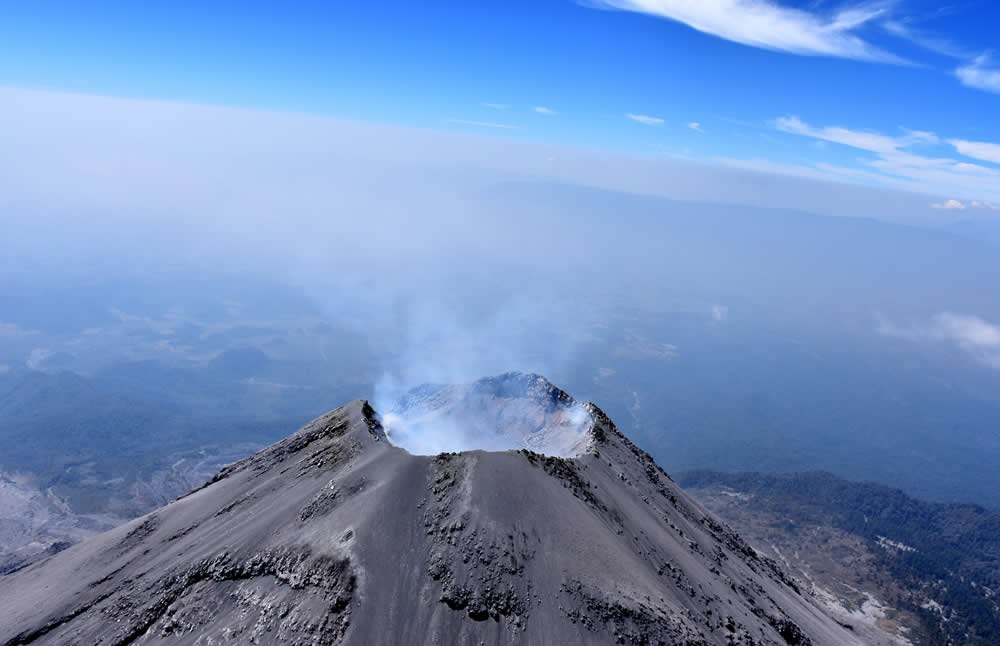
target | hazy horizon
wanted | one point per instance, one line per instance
(664, 290)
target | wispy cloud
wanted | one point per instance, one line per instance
(647, 120)
(38, 357)
(949, 205)
(768, 25)
(980, 74)
(870, 141)
(543, 110)
(762, 165)
(960, 206)
(979, 71)
(897, 161)
(978, 338)
(694, 125)
(481, 124)
(931, 43)
(496, 106)
(12, 330)
(977, 150)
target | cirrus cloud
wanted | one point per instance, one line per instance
(645, 119)
(977, 150)
(898, 161)
(769, 25)
(482, 124)
(870, 141)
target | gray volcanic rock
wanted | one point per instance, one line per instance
(335, 536)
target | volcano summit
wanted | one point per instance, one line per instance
(510, 411)
(567, 534)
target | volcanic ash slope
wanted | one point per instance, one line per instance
(335, 536)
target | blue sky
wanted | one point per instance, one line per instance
(902, 94)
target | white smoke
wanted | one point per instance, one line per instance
(507, 412)
(37, 358)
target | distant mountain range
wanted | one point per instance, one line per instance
(929, 572)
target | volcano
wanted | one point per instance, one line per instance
(564, 532)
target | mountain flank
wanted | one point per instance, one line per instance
(336, 536)
(926, 572)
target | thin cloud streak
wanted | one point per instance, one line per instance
(546, 111)
(977, 150)
(768, 25)
(958, 205)
(870, 141)
(930, 43)
(644, 119)
(897, 165)
(482, 124)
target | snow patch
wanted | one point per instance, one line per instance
(738, 495)
(888, 544)
(867, 620)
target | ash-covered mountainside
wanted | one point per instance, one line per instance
(335, 536)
